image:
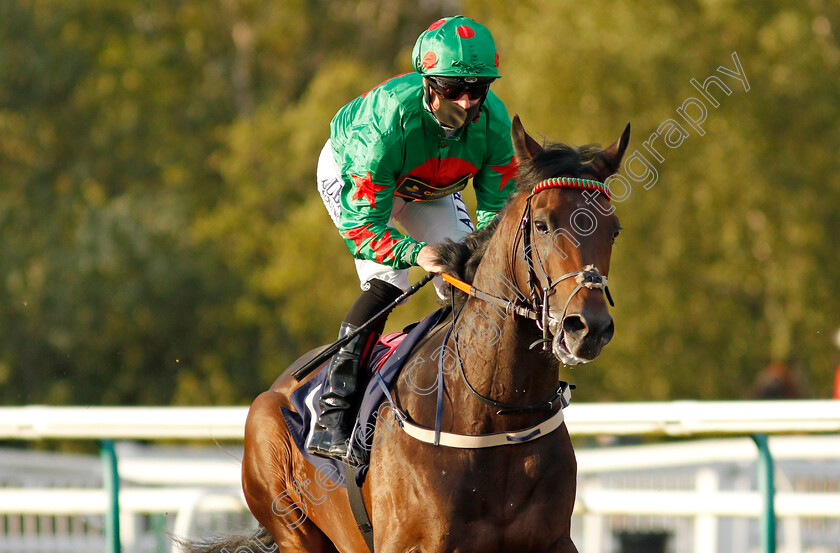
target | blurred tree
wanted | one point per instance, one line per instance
(161, 239)
(157, 165)
(112, 112)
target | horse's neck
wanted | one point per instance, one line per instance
(495, 351)
(494, 346)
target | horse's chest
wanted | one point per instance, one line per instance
(480, 500)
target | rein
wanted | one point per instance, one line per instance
(509, 408)
(537, 310)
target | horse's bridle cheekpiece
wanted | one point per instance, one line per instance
(537, 308)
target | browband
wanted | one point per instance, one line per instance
(572, 182)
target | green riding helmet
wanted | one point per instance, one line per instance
(456, 47)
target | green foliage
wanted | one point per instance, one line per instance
(161, 239)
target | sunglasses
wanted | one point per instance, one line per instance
(452, 89)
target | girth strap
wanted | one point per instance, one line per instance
(464, 441)
(357, 505)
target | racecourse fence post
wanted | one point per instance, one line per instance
(157, 522)
(111, 483)
(767, 488)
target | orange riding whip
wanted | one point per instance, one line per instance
(508, 305)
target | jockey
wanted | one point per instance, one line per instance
(401, 153)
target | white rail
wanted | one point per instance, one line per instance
(37, 422)
(693, 480)
(692, 418)
(71, 501)
(703, 452)
(673, 418)
(706, 502)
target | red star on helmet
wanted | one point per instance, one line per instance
(365, 188)
(508, 171)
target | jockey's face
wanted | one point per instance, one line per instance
(464, 101)
(456, 102)
(463, 92)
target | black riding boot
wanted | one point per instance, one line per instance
(338, 398)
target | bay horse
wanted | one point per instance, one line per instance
(549, 252)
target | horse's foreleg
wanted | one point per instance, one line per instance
(267, 479)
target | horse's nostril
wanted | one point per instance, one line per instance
(609, 331)
(573, 324)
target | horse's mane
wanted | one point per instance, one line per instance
(461, 259)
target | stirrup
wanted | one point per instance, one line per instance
(323, 443)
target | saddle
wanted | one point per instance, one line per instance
(386, 362)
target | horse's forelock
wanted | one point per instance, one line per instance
(558, 160)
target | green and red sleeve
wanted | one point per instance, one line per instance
(366, 203)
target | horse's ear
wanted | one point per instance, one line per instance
(609, 162)
(524, 146)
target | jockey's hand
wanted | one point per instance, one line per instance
(427, 260)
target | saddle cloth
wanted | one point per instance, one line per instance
(389, 356)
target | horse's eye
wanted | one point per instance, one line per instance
(541, 226)
(615, 235)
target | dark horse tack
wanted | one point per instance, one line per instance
(495, 498)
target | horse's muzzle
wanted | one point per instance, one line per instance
(580, 337)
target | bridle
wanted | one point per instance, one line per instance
(588, 277)
(537, 307)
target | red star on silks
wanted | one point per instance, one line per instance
(384, 247)
(509, 171)
(358, 235)
(365, 188)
